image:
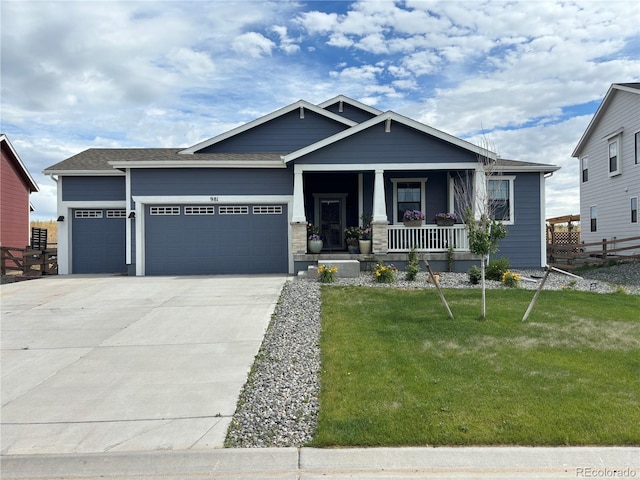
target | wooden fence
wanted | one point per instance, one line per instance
(572, 255)
(29, 261)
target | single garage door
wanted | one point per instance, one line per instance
(205, 240)
(98, 244)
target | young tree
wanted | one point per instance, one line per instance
(480, 206)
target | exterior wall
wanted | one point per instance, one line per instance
(523, 244)
(96, 188)
(14, 206)
(612, 195)
(402, 145)
(350, 112)
(285, 134)
(212, 181)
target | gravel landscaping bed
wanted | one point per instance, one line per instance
(278, 405)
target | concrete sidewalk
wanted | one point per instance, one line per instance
(466, 463)
(95, 364)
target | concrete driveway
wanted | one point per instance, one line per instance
(115, 363)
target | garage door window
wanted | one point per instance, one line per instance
(233, 210)
(88, 214)
(199, 210)
(116, 214)
(164, 210)
(267, 210)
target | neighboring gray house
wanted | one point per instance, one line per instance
(609, 154)
(240, 202)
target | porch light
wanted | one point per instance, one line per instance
(132, 215)
(61, 218)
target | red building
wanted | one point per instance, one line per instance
(16, 184)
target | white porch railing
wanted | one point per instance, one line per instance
(427, 238)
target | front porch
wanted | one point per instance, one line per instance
(392, 243)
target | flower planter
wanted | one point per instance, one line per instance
(353, 249)
(365, 247)
(445, 222)
(314, 246)
(412, 223)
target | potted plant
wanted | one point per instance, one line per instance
(314, 241)
(413, 218)
(351, 235)
(364, 241)
(445, 219)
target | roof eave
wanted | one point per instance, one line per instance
(31, 183)
(84, 173)
(352, 102)
(200, 164)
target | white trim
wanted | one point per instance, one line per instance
(512, 206)
(265, 119)
(389, 115)
(582, 169)
(199, 164)
(372, 167)
(615, 133)
(617, 140)
(423, 194)
(86, 173)
(350, 101)
(127, 227)
(142, 200)
(360, 197)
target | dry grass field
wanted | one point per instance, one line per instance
(52, 229)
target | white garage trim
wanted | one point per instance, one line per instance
(143, 200)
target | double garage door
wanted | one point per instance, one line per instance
(216, 239)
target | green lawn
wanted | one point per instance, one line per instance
(397, 371)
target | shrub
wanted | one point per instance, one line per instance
(510, 279)
(384, 273)
(413, 267)
(496, 268)
(475, 274)
(327, 274)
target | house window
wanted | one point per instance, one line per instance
(614, 157)
(199, 210)
(637, 149)
(500, 196)
(584, 165)
(408, 194)
(634, 209)
(88, 214)
(164, 210)
(116, 213)
(593, 214)
(233, 210)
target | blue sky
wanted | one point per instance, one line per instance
(527, 74)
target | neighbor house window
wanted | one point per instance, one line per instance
(634, 209)
(584, 165)
(500, 196)
(614, 156)
(637, 149)
(593, 214)
(408, 194)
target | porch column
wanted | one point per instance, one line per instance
(379, 204)
(298, 214)
(380, 220)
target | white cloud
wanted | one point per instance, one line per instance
(253, 44)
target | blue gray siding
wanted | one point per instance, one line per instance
(522, 244)
(212, 181)
(402, 145)
(93, 188)
(349, 111)
(286, 133)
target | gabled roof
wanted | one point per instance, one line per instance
(282, 111)
(27, 179)
(624, 87)
(350, 101)
(390, 117)
(505, 165)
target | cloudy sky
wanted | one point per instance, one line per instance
(527, 74)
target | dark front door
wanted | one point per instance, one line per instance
(332, 223)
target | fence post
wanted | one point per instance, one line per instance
(604, 249)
